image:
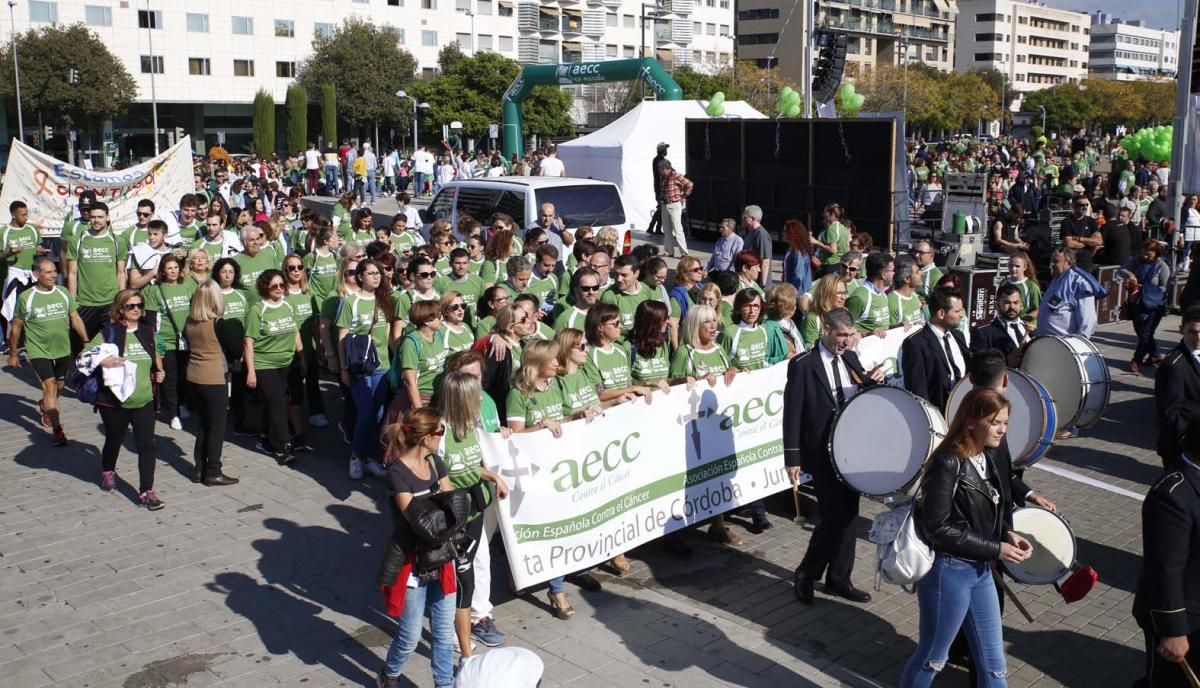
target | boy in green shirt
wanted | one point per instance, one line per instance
(96, 269)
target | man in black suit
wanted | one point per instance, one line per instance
(1006, 333)
(819, 383)
(1167, 602)
(936, 358)
(1177, 387)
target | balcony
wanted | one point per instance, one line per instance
(527, 50)
(681, 32)
(548, 23)
(922, 33)
(572, 23)
(571, 57)
(594, 23)
(678, 6)
(862, 25)
(527, 16)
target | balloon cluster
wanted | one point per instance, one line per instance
(716, 104)
(1151, 143)
(849, 102)
(789, 102)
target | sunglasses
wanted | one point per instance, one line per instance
(426, 275)
(696, 269)
(613, 323)
(145, 214)
(456, 306)
(849, 268)
(439, 432)
(275, 285)
(133, 306)
(582, 346)
(589, 289)
(295, 268)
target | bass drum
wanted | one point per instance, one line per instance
(881, 440)
(1031, 420)
(1073, 371)
(1053, 547)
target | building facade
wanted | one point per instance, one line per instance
(209, 59)
(1034, 45)
(1132, 52)
(878, 32)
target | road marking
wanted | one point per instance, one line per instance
(1086, 480)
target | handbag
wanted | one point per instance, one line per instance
(901, 556)
(359, 349)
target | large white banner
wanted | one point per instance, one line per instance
(51, 187)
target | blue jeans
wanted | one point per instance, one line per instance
(441, 629)
(371, 184)
(418, 184)
(370, 394)
(957, 593)
(331, 177)
(1145, 322)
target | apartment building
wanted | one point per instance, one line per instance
(1035, 45)
(1129, 51)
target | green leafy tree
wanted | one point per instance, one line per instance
(366, 65)
(329, 114)
(297, 118)
(50, 56)
(699, 86)
(264, 124)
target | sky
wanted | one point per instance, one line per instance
(1159, 14)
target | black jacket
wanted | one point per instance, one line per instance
(809, 408)
(113, 333)
(1167, 602)
(1176, 399)
(923, 361)
(994, 336)
(955, 510)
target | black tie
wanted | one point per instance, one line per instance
(955, 373)
(837, 382)
(1017, 333)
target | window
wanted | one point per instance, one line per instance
(428, 72)
(285, 28)
(610, 19)
(485, 41)
(243, 26)
(199, 66)
(506, 11)
(750, 15)
(97, 15)
(724, 4)
(697, 28)
(610, 51)
(984, 57)
(149, 19)
(757, 38)
(323, 29)
(710, 29)
(462, 5)
(399, 35)
(627, 20)
(285, 70)
(243, 67)
(395, 3)
(40, 11)
(429, 4)
(463, 40)
(197, 23)
(724, 31)
(484, 8)
(152, 64)
(627, 51)
(429, 38)
(506, 44)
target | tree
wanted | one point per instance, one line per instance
(264, 124)
(297, 118)
(366, 65)
(68, 76)
(329, 114)
(700, 86)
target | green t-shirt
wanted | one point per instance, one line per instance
(646, 370)
(476, 266)
(484, 327)
(175, 299)
(407, 242)
(97, 258)
(252, 267)
(540, 405)
(135, 235)
(322, 273)
(609, 369)
(493, 272)
(869, 308)
(455, 341)
(233, 321)
(578, 392)
(273, 329)
(570, 318)
(305, 309)
(544, 288)
(471, 288)
(406, 299)
(542, 332)
(72, 228)
(427, 358)
(464, 463)
(810, 331)
(26, 239)
(134, 352)
(932, 274)
(626, 303)
(442, 267)
(838, 236)
(214, 249)
(902, 309)
(341, 218)
(1031, 294)
(355, 316)
(746, 347)
(698, 363)
(47, 317)
(743, 284)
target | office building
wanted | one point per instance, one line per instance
(1131, 52)
(1034, 45)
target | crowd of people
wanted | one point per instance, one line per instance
(244, 303)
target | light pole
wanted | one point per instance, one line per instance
(658, 13)
(1043, 109)
(415, 104)
(16, 71)
(153, 97)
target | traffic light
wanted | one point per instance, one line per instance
(831, 62)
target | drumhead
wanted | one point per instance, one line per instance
(1099, 382)
(881, 439)
(1053, 547)
(1027, 418)
(1054, 363)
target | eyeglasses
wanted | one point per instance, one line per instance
(500, 299)
(921, 253)
(372, 273)
(275, 285)
(849, 268)
(426, 275)
(133, 306)
(456, 306)
(295, 268)
(752, 305)
(586, 288)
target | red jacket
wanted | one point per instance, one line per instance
(394, 594)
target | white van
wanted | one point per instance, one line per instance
(579, 202)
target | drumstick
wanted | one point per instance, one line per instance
(796, 496)
(1191, 675)
(1013, 596)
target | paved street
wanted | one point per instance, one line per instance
(272, 580)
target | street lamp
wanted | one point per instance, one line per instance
(471, 14)
(415, 104)
(16, 71)
(658, 13)
(1043, 109)
(150, 25)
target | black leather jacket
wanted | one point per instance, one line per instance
(956, 513)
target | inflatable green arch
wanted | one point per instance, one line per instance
(647, 69)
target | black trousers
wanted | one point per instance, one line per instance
(237, 395)
(832, 543)
(655, 218)
(1163, 674)
(174, 383)
(272, 388)
(116, 423)
(94, 319)
(312, 385)
(212, 403)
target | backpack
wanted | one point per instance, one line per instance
(901, 556)
(87, 387)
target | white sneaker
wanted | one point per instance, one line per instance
(356, 468)
(184, 414)
(458, 647)
(376, 469)
(318, 420)
(175, 424)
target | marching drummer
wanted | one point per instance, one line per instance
(1007, 332)
(1167, 602)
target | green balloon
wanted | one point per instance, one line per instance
(792, 98)
(793, 110)
(718, 97)
(786, 90)
(847, 89)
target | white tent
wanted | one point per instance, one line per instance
(622, 151)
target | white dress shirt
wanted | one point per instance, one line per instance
(956, 351)
(849, 389)
(1009, 327)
